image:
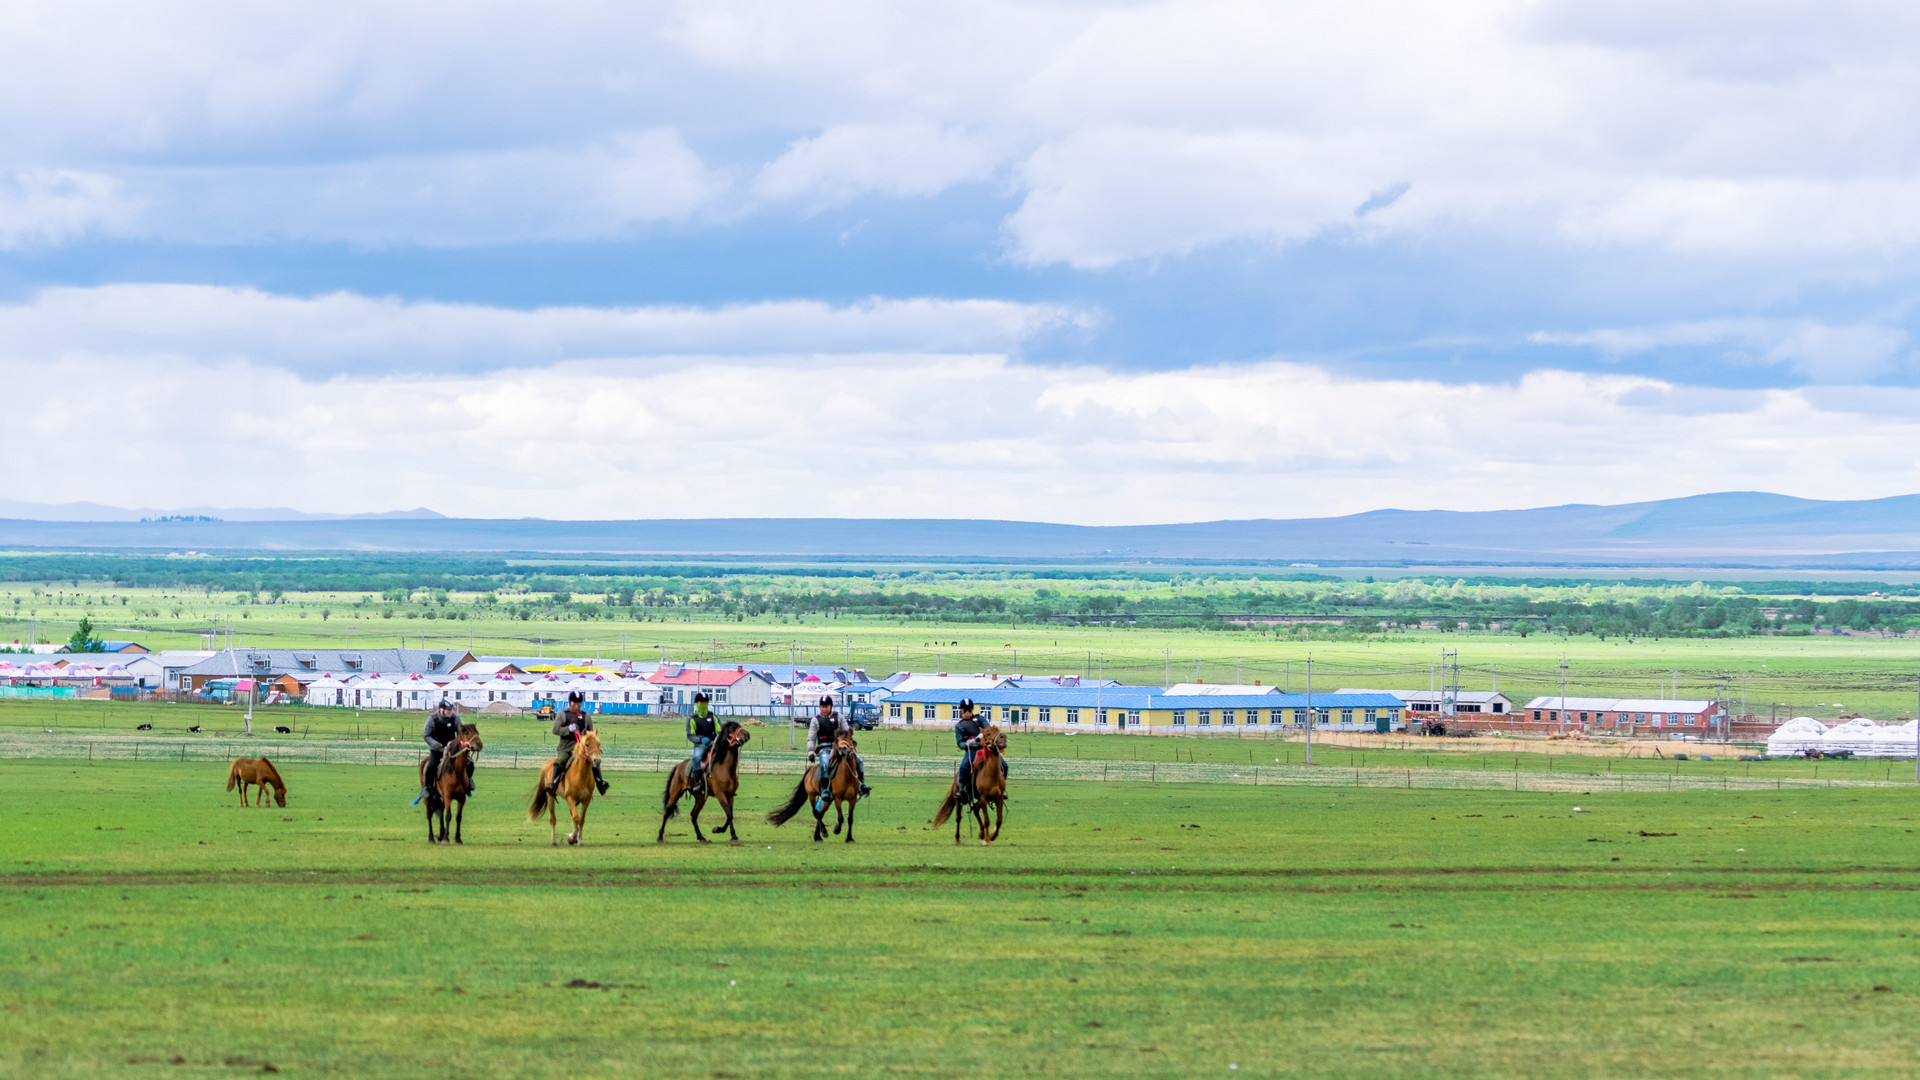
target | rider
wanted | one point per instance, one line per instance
(821, 735)
(570, 725)
(701, 731)
(966, 732)
(440, 731)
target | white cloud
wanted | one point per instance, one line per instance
(1138, 129)
(891, 159)
(317, 336)
(1821, 351)
(41, 206)
(586, 423)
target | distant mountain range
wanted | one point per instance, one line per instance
(1730, 529)
(87, 511)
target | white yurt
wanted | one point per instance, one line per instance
(1856, 735)
(1800, 734)
(1894, 741)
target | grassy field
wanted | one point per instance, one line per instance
(49, 728)
(149, 926)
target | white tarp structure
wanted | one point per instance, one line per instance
(1800, 734)
(1854, 735)
(1893, 741)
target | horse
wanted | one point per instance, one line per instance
(989, 789)
(576, 787)
(723, 780)
(843, 784)
(247, 771)
(454, 784)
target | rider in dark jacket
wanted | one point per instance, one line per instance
(702, 729)
(966, 733)
(441, 729)
(822, 732)
(570, 725)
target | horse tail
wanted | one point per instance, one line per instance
(798, 800)
(233, 775)
(539, 805)
(946, 809)
(668, 804)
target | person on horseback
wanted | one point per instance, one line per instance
(701, 731)
(570, 725)
(442, 728)
(822, 734)
(966, 732)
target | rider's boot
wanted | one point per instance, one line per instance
(864, 789)
(598, 780)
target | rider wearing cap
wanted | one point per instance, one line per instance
(570, 725)
(440, 731)
(966, 733)
(701, 731)
(821, 735)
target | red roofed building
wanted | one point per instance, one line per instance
(742, 691)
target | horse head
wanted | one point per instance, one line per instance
(734, 735)
(280, 794)
(589, 745)
(994, 739)
(470, 738)
(844, 741)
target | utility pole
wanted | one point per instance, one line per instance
(1169, 658)
(1236, 671)
(1563, 693)
(1311, 717)
(1450, 687)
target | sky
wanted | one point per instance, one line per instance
(1101, 263)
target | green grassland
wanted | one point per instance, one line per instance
(64, 728)
(150, 926)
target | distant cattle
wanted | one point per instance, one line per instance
(283, 730)
(144, 727)
(195, 729)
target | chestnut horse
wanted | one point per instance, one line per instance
(989, 788)
(576, 787)
(843, 786)
(247, 771)
(455, 782)
(723, 780)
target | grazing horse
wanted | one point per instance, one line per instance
(989, 789)
(843, 786)
(576, 787)
(247, 771)
(723, 780)
(455, 782)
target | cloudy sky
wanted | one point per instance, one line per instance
(1087, 262)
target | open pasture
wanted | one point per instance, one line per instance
(153, 927)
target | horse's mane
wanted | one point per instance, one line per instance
(273, 774)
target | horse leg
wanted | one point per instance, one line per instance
(553, 818)
(699, 800)
(579, 813)
(852, 805)
(672, 800)
(727, 805)
(459, 815)
(999, 816)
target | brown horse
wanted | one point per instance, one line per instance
(576, 787)
(455, 782)
(843, 786)
(989, 789)
(723, 780)
(247, 771)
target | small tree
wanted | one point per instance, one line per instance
(82, 639)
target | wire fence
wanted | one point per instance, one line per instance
(883, 766)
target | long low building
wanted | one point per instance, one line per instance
(1123, 708)
(1625, 715)
(1427, 704)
